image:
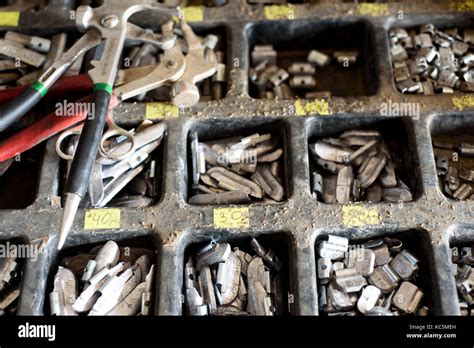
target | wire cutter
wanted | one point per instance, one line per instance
(173, 69)
(107, 26)
(181, 72)
(111, 21)
(132, 81)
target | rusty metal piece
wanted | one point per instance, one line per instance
(349, 280)
(407, 298)
(374, 193)
(268, 182)
(384, 278)
(345, 180)
(301, 69)
(228, 197)
(331, 153)
(371, 171)
(463, 192)
(320, 59)
(231, 181)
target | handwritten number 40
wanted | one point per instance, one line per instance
(103, 219)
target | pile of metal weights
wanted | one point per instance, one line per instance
(25, 58)
(455, 169)
(10, 276)
(234, 170)
(430, 61)
(356, 166)
(110, 280)
(374, 278)
(273, 81)
(125, 181)
(219, 281)
(463, 260)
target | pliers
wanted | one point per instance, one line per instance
(111, 21)
(99, 30)
(173, 68)
(107, 26)
(131, 82)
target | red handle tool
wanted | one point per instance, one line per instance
(43, 129)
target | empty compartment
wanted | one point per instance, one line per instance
(453, 147)
(234, 297)
(432, 57)
(462, 248)
(126, 289)
(352, 74)
(344, 272)
(402, 183)
(19, 179)
(13, 253)
(234, 173)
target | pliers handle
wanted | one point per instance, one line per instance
(64, 88)
(18, 107)
(89, 141)
(44, 129)
(15, 109)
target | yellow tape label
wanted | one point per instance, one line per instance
(359, 216)
(231, 218)
(315, 107)
(462, 5)
(9, 19)
(192, 14)
(156, 111)
(96, 219)
(374, 10)
(461, 103)
(277, 12)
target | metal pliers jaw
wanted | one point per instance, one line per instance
(111, 20)
(179, 71)
(135, 81)
(201, 63)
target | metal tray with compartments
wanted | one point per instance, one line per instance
(430, 224)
